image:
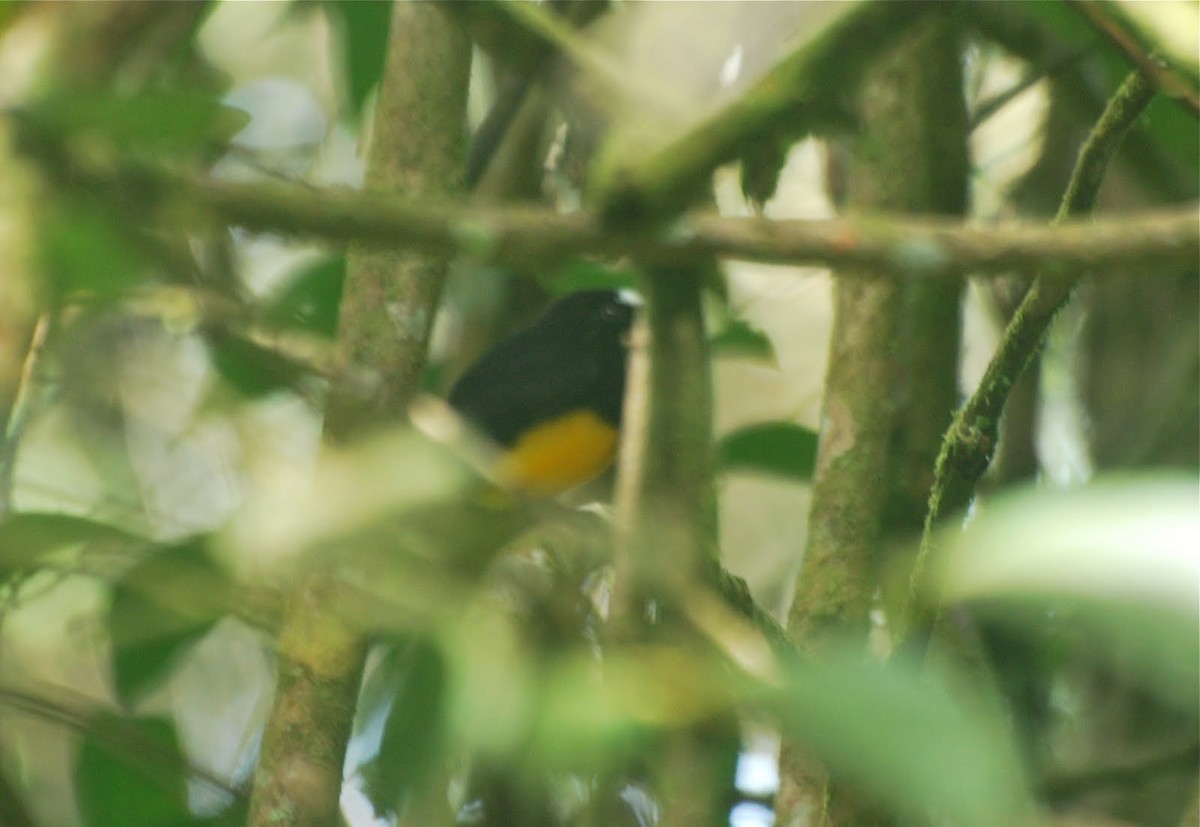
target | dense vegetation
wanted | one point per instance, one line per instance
(905, 526)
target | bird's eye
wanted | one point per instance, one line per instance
(608, 313)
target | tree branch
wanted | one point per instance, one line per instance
(872, 245)
(910, 155)
(387, 310)
(970, 442)
(69, 709)
(665, 511)
(20, 412)
(665, 524)
(1125, 38)
(795, 97)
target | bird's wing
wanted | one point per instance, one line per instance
(519, 383)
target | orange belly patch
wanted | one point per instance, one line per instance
(560, 454)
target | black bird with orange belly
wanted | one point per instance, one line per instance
(551, 395)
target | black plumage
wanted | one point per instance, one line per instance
(572, 357)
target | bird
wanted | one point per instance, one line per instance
(550, 395)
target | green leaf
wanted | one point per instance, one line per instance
(414, 731)
(778, 448)
(589, 275)
(901, 737)
(140, 783)
(311, 298)
(365, 25)
(85, 253)
(156, 121)
(1119, 556)
(26, 536)
(251, 368)
(159, 609)
(738, 338)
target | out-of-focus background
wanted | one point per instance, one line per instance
(130, 420)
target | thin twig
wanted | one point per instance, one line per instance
(124, 737)
(875, 245)
(971, 439)
(994, 104)
(1063, 786)
(22, 410)
(1163, 77)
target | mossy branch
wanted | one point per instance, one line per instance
(971, 440)
(388, 303)
(898, 164)
(797, 96)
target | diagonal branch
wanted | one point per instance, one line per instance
(970, 442)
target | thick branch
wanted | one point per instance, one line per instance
(665, 513)
(795, 97)
(910, 155)
(387, 310)
(665, 520)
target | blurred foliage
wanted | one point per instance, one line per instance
(740, 338)
(414, 730)
(26, 537)
(773, 448)
(589, 275)
(363, 46)
(168, 123)
(309, 300)
(159, 607)
(252, 369)
(89, 254)
(1115, 561)
(113, 792)
(494, 680)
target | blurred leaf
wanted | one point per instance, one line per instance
(778, 448)
(365, 25)
(87, 253)
(159, 609)
(26, 536)
(738, 338)
(1119, 554)
(143, 784)
(591, 713)
(310, 299)
(384, 475)
(762, 161)
(157, 121)
(253, 369)
(414, 730)
(10, 12)
(901, 737)
(589, 275)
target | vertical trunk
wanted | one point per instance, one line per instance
(890, 381)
